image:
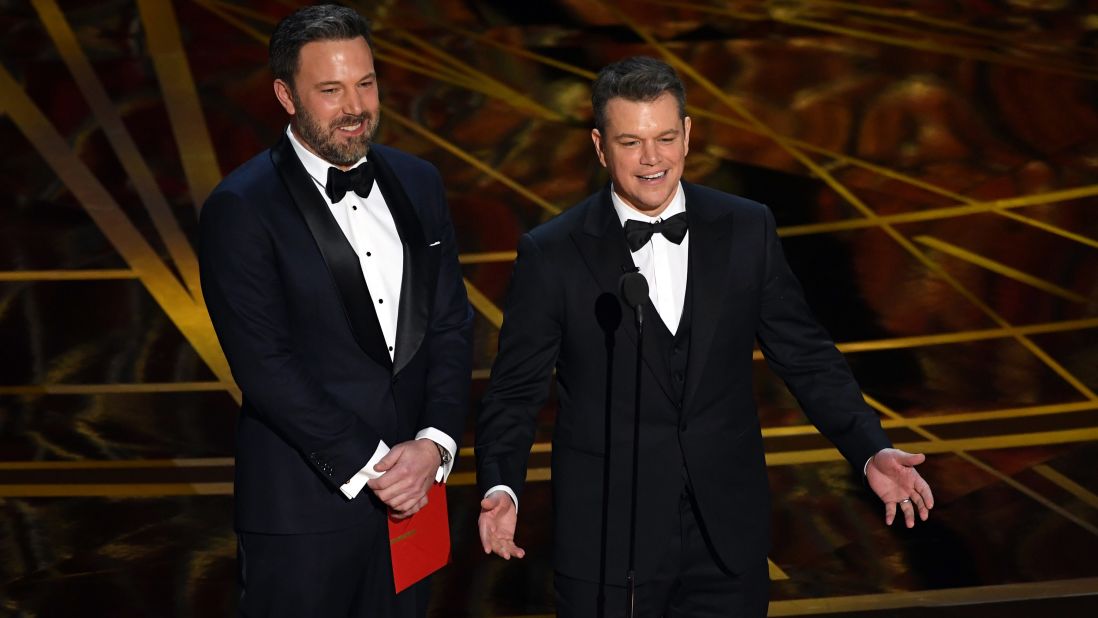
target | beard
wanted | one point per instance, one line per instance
(326, 141)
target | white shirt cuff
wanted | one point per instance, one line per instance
(505, 489)
(446, 442)
(358, 481)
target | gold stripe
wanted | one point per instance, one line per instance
(191, 319)
(776, 574)
(66, 275)
(488, 257)
(1068, 485)
(944, 213)
(999, 268)
(481, 374)
(482, 304)
(932, 600)
(116, 490)
(188, 123)
(224, 10)
(122, 143)
(964, 336)
(935, 600)
(106, 389)
(114, 464)
(468, 158)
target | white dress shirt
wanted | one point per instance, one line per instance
(372, 232)
(662, 262)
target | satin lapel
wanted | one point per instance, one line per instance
(419, 266)
(710, 263)
(340, 257)
(602, 244)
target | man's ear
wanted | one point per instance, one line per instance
(686, 135)
(596, 138)
(285, 96)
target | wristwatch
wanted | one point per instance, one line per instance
(443, 454)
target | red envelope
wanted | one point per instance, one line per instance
(420, 544)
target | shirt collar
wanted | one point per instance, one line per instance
(314, 165)
(627, 212)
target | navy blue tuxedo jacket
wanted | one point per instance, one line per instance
(295, 318)
(563, 312)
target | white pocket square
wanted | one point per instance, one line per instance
(435, 244)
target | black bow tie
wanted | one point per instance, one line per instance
(359, 179)
(637, 233)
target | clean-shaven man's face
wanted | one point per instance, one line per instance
(333, 100)
(644, 149)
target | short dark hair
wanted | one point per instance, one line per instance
(638, 78)
(322, 22)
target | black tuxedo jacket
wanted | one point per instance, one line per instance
(562, 312)
(295, 318)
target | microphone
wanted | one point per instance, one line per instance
(634, 291)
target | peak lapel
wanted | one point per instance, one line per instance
(420, 265)
(710, 265)
(339, 256)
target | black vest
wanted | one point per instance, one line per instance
(674, 350)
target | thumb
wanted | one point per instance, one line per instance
(912, 459)
(388, 461)
(490, 502)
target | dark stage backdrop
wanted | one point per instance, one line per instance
(933, 167)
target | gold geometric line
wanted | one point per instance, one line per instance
(520, 51)
(119, 464)
(109, 389)
(481, 374)
(776, 574)
(66, 275)
(933, 600)
(121, 141)
(853, 200)
(482, 304)
(1088, 497)
(505, 92)
(948, 418)
(962, 336)
(468, 158)
(999, 268)
(115, 490)
(931, 46)
(949, 212)
(191, 319)
(1048, 227)
(185, 115)
(487, 257)
(224, 11)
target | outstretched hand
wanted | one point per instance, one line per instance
(498, 518)
(892, 476)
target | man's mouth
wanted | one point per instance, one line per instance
(651, 177)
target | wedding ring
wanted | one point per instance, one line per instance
(905, 500)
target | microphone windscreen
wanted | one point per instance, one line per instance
(634, 289)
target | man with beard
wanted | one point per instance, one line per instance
(331, 276)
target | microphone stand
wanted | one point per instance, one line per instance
(634, 290)
(631, 576)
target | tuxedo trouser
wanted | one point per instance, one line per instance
(344, 573)
(691, 582)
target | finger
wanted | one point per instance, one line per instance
(890, 513)
(909, 513)
(389, 459)
(923, 488)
